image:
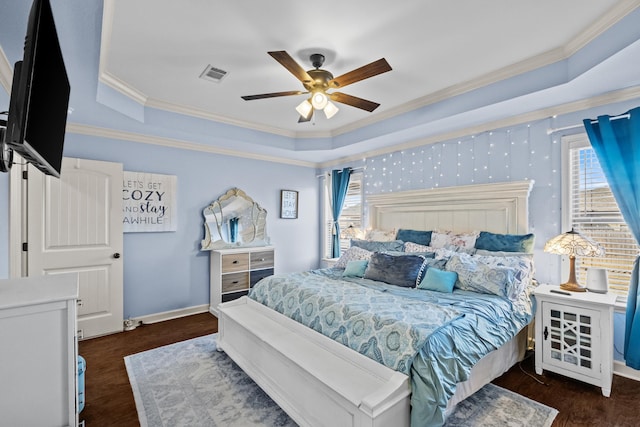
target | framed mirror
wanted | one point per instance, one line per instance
(234, 220)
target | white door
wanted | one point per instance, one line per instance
(75, 225)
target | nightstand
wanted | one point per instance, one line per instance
(574, 335)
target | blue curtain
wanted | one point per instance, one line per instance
(339, 187)
(616, 142)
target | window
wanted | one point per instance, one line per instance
(593, 211)
(351, 212)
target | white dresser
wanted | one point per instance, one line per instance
(38, 351)
(235, 271)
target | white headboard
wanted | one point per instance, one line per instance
(498, 208)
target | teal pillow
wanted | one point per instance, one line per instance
(355, 268)
(505, 242)
(415, 236)
(438, 280)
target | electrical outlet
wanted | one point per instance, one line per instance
(80, 334)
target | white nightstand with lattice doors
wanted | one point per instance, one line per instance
(574, 335)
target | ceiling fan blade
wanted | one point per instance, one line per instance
(272, 95)
(290, 64)
(354, 101)
(303, 119)
(373, 69)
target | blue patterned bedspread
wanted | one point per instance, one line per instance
(387, 328)
(433, 337)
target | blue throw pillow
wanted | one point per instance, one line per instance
(406, 271)
(505, 242)
(438, 280)
(355, 268)
(415, 236)
(378, 246)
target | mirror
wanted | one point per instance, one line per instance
(234, 220)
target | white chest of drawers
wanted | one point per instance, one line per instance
(235, 271)
(38, 351)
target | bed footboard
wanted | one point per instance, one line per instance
(316, 380)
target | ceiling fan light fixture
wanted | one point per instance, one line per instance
(330, 110)
(319, 100)
(305, 109)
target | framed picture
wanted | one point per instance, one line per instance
(288, 204)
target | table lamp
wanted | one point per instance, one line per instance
(573, 244)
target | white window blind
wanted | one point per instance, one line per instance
(351, 212)
(595, 213)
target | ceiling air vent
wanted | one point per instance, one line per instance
(213, 74)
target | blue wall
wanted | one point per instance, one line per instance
(167, 271)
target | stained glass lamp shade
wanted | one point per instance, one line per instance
(573, 244)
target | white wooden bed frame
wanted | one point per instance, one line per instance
(320, 382)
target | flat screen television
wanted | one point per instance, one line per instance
(39, 95)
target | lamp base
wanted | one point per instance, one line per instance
(572, 287)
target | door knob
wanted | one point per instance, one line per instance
(116, 255)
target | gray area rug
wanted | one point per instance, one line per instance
(191, 384)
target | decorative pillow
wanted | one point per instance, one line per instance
(380, 235)
(440, 253)
(378, 246)
(445, 252)
(438, 280)
(426, 254)
(415, 247)
(415, 236)
(522, 266)
(406, 271)
(352, 254)
(355, 268)
(474, 275)
(483, 252)
(447, 239)
(505, 242)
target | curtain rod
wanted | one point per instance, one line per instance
(352, 170)
(554, 130)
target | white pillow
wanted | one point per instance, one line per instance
(380, 235)
(354, 253)
(447, 239)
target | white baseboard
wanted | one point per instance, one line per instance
(619, 368)
(173, 314)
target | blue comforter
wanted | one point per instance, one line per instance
(434, 337)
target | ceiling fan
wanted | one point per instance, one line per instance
(318, 81)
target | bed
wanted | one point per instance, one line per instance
(320, 381)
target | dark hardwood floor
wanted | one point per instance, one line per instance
(109, 400)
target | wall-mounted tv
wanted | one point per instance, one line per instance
(39, 96)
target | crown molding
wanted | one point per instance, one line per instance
(6, 72)
(604, 23)
(176, 143)
(571, 107)
(202, 114)
(122, 87)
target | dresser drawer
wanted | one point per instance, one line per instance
(263, 259)
(235, 281)
(257, 275)
(235, 262)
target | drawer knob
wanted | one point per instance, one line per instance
(235, 282)
(261, 259)
(235, 262)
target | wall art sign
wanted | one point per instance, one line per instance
(149, 202)
(288, 204)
